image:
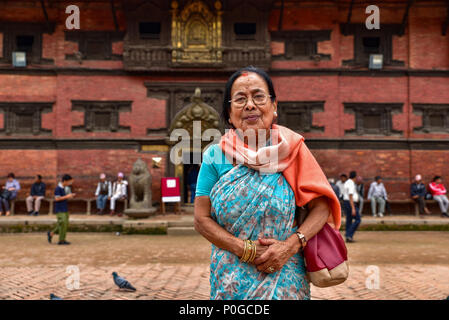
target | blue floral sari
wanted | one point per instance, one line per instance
(251, 205)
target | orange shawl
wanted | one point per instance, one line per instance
(287, 154)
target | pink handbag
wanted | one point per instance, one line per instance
(326, 258)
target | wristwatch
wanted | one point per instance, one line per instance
(302, 239)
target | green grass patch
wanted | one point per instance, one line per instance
(83, 228)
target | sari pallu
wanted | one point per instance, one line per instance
(251, 205)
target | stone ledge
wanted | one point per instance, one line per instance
(181, 231)
(184, 224)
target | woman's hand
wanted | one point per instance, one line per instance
(260, 249)
(277, 254)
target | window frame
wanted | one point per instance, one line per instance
(12, 110)
(244, 37)
(149, 38)
(90, 107)
(310, 37)
(386, 112)
(385, 34)
(428, 109)
(11, 30)
(303, 109)
(83, 37)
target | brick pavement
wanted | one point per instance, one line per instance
(176, 267)
(162, 281)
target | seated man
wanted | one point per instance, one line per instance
(9, 192)
(119, 191)
(377, 195)
(103, 193)
(418, 193)
(37, 194)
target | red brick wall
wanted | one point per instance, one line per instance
(109, 162)
(145, 112)
(421, 47)
(415, 47)
(337, 90)
(427, 90)
(397, 167)
(84, 166)
(26, 164)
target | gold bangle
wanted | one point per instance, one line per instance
(245, 251)
(253, 252)
(250, 250)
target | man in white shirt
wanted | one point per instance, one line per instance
(350, 205)
(119, 191)
(340, 184)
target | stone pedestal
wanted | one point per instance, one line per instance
(140, 213)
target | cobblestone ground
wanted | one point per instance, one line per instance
(163, 267)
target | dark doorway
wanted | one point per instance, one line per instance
(190, 176)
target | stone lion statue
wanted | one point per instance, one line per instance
(140, 186)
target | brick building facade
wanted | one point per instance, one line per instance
(96, 99)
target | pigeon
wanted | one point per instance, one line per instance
(53, 297)
(122, 283)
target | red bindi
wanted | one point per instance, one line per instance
(244, 74)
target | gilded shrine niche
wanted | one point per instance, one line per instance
(191, 131)
(197, 113)
(196, 33)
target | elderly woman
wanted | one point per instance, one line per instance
(248, 190)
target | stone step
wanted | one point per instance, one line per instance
(182, 223)
(181, 231)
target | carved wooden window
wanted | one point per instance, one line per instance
(301, 44)
(302, 48)
(298, 115)
(150, 30)
(245, 22)
(375, 41)
(24, 117)
(94, 45)
(101, 116)
(373, 118)
(245, 30)
(371, 45)
(24, 37)
(147, 43)
(435, 117)
(24, 43)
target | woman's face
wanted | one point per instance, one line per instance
(251, 116)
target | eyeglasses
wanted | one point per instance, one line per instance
(259, 99)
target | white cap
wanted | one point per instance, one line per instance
(102, 176)
(418, 177)
(120, 175)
